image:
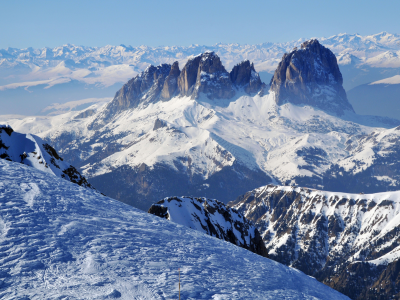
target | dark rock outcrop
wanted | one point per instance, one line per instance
(245, 76)
(34, 152)
(159, 124)
(144, 88)
(203, 74)
(311, 76)
(212, 78)
(171, 82)
(213, 218)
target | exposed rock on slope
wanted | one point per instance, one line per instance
(212, 78)
(350, 242)
(171, 82)
(213, 218)
(203, 74)
(33, 151)
(311, 76)
(244, 75)
(144, 88)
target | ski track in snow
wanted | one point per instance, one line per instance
(61, 241)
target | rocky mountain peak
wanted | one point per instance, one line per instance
(144, 88)
(212, 78)
(310, 76)
(244, 75)
(188, 76)
(202, 74)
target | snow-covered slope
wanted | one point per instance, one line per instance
(59, 240)
(250, 138)
(32, 151)
(213, 218)
(348, 241)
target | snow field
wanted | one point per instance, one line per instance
(59, 240)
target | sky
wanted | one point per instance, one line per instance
(43, 23)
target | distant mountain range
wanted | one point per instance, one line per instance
(37, 78)
(202, 129)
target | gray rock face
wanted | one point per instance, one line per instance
(144, 88)
(311, 76)
(188, 77)
(212, 78)
(213, 218)
(159, 124)
(203, 74)
(171, 83)
(244, 75)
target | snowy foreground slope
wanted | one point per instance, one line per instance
(32, 151)
(59, 240)
(348, 241)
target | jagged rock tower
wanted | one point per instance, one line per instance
(311, 76)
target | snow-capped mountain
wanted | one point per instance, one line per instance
(44, 75)
(32, 151)
(213, 218)
(347, 241)
(160, 136)
(59, 240)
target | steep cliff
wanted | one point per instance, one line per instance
(311, 76)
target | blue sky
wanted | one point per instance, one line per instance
(175, 22)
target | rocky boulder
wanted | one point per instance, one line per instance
(213, 218)
(311, 76)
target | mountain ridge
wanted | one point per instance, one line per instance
(221, 147)
(347, 241)
(213, 218)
